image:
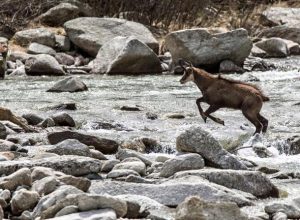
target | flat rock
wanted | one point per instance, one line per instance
(103, 145)
(171, 193)
(90, 33)
(69, 164)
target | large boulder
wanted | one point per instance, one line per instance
(203, 48)
(253, 182)
(281, 16)
(183, 162)
(69, 84)
(275, 47)
(43, 64)
(59, 14)
(38, 35)
(284, 32)
(126, 55)
(195, 208)
(104, 145)
(172, 192)
(90, 33)
(196, 140)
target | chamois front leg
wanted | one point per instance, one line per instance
(198, 101)
(212, 109)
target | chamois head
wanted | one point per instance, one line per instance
(187, 71)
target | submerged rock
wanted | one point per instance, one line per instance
(196, 140)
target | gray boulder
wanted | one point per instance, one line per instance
(70, 147)
(137, 166)
(69, 164)
(253, 182)
(274, 47)
(171, 192)
(289, 17)
(103, 145)
(284, 32)
(257, 52)
(203, 48)
(63, 119)
(196, 140)
(32, 119)
(90, 33)
(43, 64)
(36, 48)
(122, 154)
(126, 55)
(69, 84)
(180, 163)
(38, 35)
(195, 208)
(23, 200)
(109, 165)
(59, 14)
(62, 43)
(64, 59)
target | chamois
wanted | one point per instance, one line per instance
(221, 92)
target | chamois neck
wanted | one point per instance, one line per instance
(202, 79)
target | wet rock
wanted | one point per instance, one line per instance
(123, 55)
(248, 181)
(23, 200)
(274, 47)
(6, 145)
(257, 52)
(196, 140)
(175, 116)
(180, 163)
(45, 185)
(62, 43)
(47, 201)
(171, 192)
(36, 48)
(103, 145)
(59, 14)
(69, 164)
(294, 143)
(267, 170)
(105, 214)
(90, 34)
(32, 119)
(126, 153)
(258, 64)
(87, 202)
(284, 32)
(213, 48)
(143, 145)
(47, 123)
(3, 131)
(79, 182)
(149, 208)
(43, 64)
(64, 59)
(121, 172)
(38, 35)
(130, 108)
(70, 147)
(227, 66)
(64, 106)
(109, 165)
(17, 178)
(63, 119)
(136, 165)
(195, 208)
(70, 84)
(151, 116)
(274, 16)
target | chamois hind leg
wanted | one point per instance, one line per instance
(210, 110)
(198, 101)
(251, 108)
(264, 122)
